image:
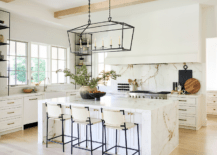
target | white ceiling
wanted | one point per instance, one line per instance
(42, 11)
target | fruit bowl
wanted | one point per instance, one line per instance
(97, 95)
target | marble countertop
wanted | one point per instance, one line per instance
(187, 95)
(34, 94)
(111, 102)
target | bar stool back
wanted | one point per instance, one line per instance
(55, 112)
(81, 115)
(116, 119)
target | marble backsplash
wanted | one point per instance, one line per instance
(157, 77)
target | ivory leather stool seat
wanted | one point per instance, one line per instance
(116, 120)
(55, 112)
(81, 115)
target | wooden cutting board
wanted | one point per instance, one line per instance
(192, 86)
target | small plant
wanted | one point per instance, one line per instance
(83, 78)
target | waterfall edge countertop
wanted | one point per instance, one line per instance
(157, 119)
(113, 102)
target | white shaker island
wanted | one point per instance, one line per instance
(158, 120)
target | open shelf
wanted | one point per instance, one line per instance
(83, 44)
(83, 65)
(83, 55)
(3, 76)
(3, 27)
(1, 44)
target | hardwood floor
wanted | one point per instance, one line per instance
(202, 142)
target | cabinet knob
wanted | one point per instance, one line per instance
(213, 101)
(213, 109)
(213, 95)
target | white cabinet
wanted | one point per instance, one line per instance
(211, 101)
(11, 114)
(31, 109)
(190, 112)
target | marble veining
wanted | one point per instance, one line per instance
(158, 120)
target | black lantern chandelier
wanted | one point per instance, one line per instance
(118, 37)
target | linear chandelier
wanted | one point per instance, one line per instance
(116, 36)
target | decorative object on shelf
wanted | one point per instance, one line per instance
(184, 75)
(97, 94)
(105, 27)
(83, 78)
(192, 86)
(1, 56)
(1, 38)
(175, 86)
(81, 63)
(27, 90)
(133, 85)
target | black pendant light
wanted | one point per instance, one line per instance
(120, 34)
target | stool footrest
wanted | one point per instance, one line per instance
(120, 147)
(51, 139)
(75, 145)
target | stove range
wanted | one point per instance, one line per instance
(148, 94)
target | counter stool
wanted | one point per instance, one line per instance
(55, 112)
(116, 120)
(81, 115)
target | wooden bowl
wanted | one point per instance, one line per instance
(27, 90)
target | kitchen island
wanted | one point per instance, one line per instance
(158, 120)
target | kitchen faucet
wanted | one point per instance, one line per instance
(45, 87)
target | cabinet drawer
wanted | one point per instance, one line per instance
(212, 100)
(187, 110)
(183, 101)
(10, 124)
(9, 103)
(212, 110)
(212, 95)
(5, 113)
(187, 120)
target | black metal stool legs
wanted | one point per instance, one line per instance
(125, 130)
(86, 136)
(116, 143)
(91, 141)
(78, 135)
(102, 138)
(138, 139)
(47, 133)
(71, 136)
(63, 135)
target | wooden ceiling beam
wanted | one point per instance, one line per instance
(95, 7)
(7, 1)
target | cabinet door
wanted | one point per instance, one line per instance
(31, 109)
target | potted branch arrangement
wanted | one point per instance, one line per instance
(87, 84)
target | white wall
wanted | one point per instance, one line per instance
(172, 35)
(28, 31)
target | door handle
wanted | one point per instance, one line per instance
(10, 103)
(10, 113)
(182, 100)
(10, 123)
(182, 119)
(183, 109)
(33, 99)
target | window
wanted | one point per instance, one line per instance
(39, 63)
(103, 67)
(17, 67)
(58, 58)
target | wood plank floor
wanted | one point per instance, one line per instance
(202, 142)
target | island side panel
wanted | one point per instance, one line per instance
(164, 130)
(145, 139)
(42, 123)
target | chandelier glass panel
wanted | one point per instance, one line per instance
(106, 36)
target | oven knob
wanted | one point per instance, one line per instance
(143, 96)
(138, 96)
